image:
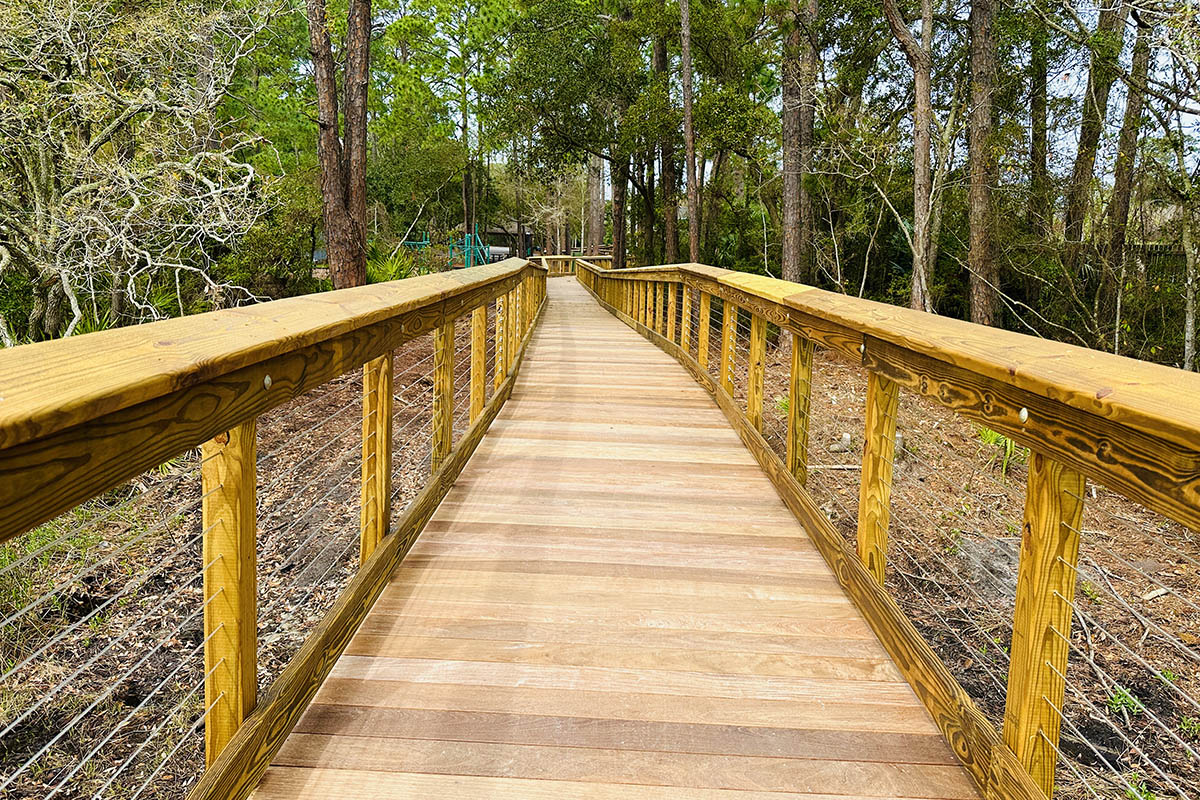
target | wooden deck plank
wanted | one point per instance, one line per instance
(612, 602)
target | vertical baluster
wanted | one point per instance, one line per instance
(672, 311)
(799, 401)
(661, 309)
(443, 392)
(756, 370)
(376, 455)
(685, 319)
(875, 488)
(1042, 620)
(227, 478)
(728, 343)
(510, 329)
(478, 361)
(705, 328)
(500, 366)
(654, 290)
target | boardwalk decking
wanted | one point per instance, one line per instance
(613, 603)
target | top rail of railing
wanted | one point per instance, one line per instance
(1131, 425)
(81, 415)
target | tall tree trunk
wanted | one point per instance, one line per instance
(1039, 170)
(689, 133)
(1189, 291)
(648, 212)
(1102, 71)
(620, 184)
(343, 166)
(1118, 210)
(667, 166)
(918, 55)
(985, 277)
(790, 119)
(595, 204)
(808, 117)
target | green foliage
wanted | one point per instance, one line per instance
(1124, 701)
(1137, 788)
(275, 258)
(1004, 449)
(396, 265)
(1190, 727)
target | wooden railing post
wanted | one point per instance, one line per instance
(875, 487)
(512, 308)
(729, 318)
(227, 478)
(757, 371)
(443, 392)
(685, 319)
(660, 308)
(1042, 620)
(478, 361)
(376, 455)
(500, 366)
(799, 401)
(672, 310)
(705, 328)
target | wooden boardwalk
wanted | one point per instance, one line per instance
(613, 602)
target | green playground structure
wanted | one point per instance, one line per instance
(470, 248)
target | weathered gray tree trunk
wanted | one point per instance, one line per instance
(808, 116)
(595, 204)
(342, 156)
(1102, 71)
(1131, 125)
(667, 168)
(689, 133)
(791, 67)
(918, 55)
(620, 184)
(985, 277)
(1039, 171)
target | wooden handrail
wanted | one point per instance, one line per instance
(81, 415)
(1134, 427)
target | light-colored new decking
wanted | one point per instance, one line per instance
(613, 602)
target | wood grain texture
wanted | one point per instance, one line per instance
(757, 371)
(479, 340)
(992, 765)
(1159, 473)
(443, 393)
(230, 584)
(672, 309)
(241, 765)
(500, 333)
(1042, 622)
(729, 317)
(376, 490)
(685, 316)
(705, 329)
(875, 486)
(157, 391)
(600, 605)
(799, 403)
(1126, 423)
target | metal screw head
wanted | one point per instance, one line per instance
(1023, 415)
(266, 381)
